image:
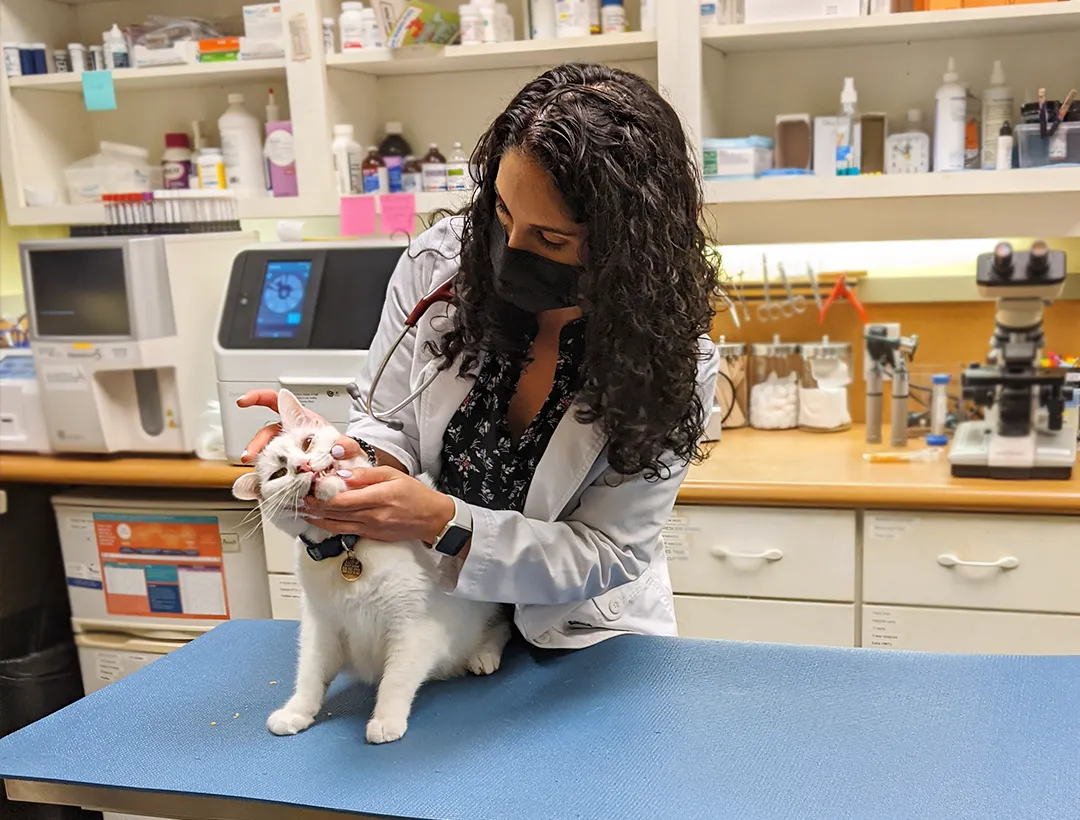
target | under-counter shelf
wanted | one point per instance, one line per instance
(384, 62)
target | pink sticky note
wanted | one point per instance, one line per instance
(357, 215)
(398, 213)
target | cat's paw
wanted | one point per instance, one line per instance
(383, 730)
(286, 721)
(485, 662)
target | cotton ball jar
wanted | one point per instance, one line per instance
(774, 396)
(823, 390)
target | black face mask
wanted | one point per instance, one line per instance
(528, 281)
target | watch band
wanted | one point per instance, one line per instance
(369, 451)
(457, 532)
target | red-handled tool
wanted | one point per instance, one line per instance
(840, 289)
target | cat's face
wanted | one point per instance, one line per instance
(294, 465)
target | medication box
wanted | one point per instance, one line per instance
(777, 11)
(825, 145)
(167, 565)
(730, 158)
(263, 22)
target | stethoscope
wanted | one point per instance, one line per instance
(443, 293)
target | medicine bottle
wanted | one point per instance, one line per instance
(351, 25)
(374, 173)
(433, 167)
(612, 17)
(731, 384)
(176, 162)
(823, 388)
(458, 177)
(774, 393)
(412, 175)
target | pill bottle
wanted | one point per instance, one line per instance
(176, 162)
(732, 394)
(351, 24)
(12, 61)
(612, 17)
(347, 159)
(60, 61)
(433, 167)
(370, 30)
(472, 25)
(572, 18)
(541, 19)
(328, 35)
(77, 52)
(774, 393)
(823, 387)
(211, 169)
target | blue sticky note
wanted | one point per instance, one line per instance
(98, 91)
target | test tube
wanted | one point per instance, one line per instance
(939, 409)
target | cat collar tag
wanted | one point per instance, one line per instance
(332, 547)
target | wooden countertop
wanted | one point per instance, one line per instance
(749, 467)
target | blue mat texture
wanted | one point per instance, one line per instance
(633, 728)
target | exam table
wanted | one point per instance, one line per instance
(635, 727)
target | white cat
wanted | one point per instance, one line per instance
(392, 625)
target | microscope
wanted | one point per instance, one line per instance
(888, 355)
(1026, 431)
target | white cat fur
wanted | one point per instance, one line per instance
(393, 626)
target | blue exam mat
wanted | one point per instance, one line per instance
(633, 728)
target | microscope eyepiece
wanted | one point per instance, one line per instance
(1003, 260)
(1038, 259)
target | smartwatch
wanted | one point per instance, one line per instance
(457, 532)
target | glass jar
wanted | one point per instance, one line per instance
(732, 394)
(823, 387)
(774, 394)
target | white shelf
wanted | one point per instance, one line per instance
(965, 205)
(992, 21)
(606, 48)
(172, 76)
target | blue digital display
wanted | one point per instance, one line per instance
(281, 305)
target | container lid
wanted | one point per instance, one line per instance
(352, 6)
(236, 99)
(393, 128)
(939, 378)
(825, 349)
(774, 348)
(177, 141)
(726, 348)
(937, 441)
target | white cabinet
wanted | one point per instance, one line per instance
(734, 619)
(1007, 562)
(969, 631)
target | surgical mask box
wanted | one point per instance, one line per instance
(22, 426)
(736, 158)
(120, 333)
(167, 565)
(825, 129)
(300, 316)
(778, 11)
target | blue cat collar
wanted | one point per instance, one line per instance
(332, 547)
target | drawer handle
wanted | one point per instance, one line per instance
(1008, 562)
(768, 555)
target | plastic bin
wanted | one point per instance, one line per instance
(1036, 152)
(115, 169)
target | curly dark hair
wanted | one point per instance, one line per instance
(618, 155)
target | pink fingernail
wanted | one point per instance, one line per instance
(344, 474)
(244, 455)
(337, 451)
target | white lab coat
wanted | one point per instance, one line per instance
(584, 561)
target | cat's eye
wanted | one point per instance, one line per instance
(278, 473)
(306, 444)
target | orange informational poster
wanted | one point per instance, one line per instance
(161, 565)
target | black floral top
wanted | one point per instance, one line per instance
(481, 464)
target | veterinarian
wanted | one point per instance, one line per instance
(575, 371)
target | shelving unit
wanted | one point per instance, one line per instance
(722, 80)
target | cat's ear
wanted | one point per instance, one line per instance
(291, 411)
(246, 488)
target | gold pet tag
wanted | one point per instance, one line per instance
(351, 568)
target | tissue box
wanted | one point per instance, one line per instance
(263, 22)
(424, 23)
(733, 158)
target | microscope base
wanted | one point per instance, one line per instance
(977, 452)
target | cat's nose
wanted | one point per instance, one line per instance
(305, 467)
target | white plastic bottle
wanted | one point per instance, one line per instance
(542, 19)
(848, 160)
(1004, 149)
(242, 147)
(997, 109)
(648, 15)
(572, 18)
(489, 21)
(594, 16)
(612, 17)
(370, 31)
(504, 23)
(472, 26)
(351, 25)
(347, 160)
(950, 118)
(116, 48)
(457, 170)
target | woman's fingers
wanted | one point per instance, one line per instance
(338, 527)
(345, 448)
(262, 438)
(259, 398)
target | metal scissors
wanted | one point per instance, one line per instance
(794, 300)
(768, 309)
(443, 293)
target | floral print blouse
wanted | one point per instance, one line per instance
(481, 463)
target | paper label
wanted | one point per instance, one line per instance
(112, 666)
(63, 377)
(300, 38)
(884, 631)
(676, 542)
(161, 565)
(890, 527)
(87, 576)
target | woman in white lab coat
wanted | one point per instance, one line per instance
(575, 374)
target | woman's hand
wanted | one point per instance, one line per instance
(383, 504)
(268, 399)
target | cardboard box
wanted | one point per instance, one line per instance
(421, 23)
(777, 11)
(264, 22)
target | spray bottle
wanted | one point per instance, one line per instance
(847, 157)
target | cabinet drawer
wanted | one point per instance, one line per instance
(743, 619)
(1028, 563)
(969, 631)
(762, 553)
